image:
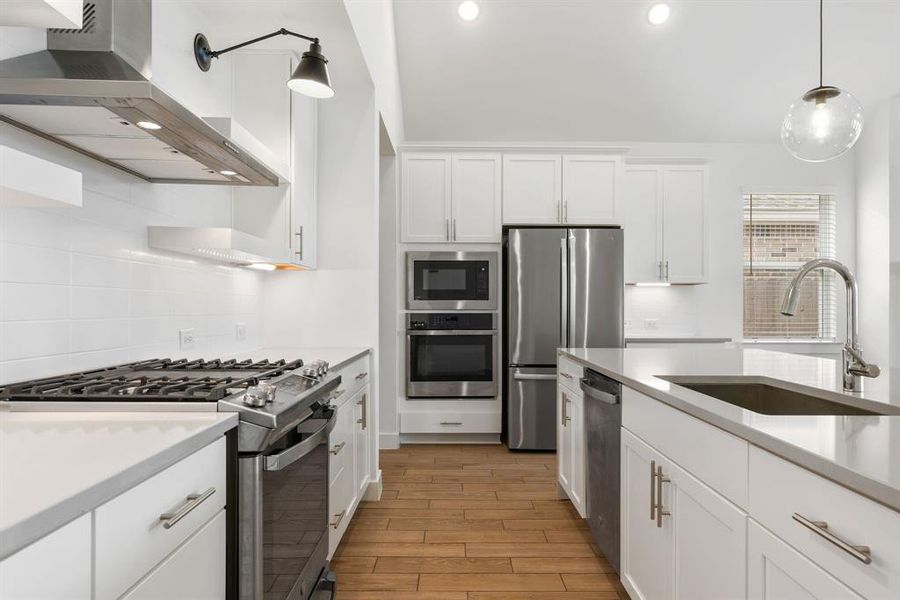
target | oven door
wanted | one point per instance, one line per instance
(284, 514)
(451, 281)
(451, 364)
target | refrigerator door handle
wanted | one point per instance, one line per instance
(563, 292)
(572, 282)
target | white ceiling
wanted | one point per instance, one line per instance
(582, 70)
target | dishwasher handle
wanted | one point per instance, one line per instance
(592, 392)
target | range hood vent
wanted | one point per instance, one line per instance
(87, 92)
(220, 244)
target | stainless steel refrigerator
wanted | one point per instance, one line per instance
(564, 288)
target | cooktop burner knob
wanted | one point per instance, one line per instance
(257, 395)
(309, 371)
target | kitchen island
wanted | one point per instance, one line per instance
(743, 496)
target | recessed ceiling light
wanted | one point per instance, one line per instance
(658, 13)
(468, 10)
(228, 173)
(148, 125)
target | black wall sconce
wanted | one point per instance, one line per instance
(310, 78)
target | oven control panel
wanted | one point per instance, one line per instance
(451, 321)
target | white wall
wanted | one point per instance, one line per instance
(873, 233)
(373, 24)
(716, 309)
(895, 233)
(79, 288)
(391, 342)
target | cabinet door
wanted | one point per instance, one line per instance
(57, 566)
(589, 192)
(643, 226)
(709, 536)
(196, 570)
(647, 550)
(532, 189)
(563, 441)
(425, 193)
(361, 443)
(685, 224)
(776, 571)
(476, 198)
(576, 453)
(304, 190)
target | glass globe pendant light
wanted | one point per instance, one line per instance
(824, 122)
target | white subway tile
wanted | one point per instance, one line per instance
(33, 302)
(150, 303)
(99, 334)
(99, 303)
(31, 264)
(35, 228)
(33, 368)
(98, 271)
(32, 339)
(152, 331)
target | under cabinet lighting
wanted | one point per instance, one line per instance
(262, 266)
(228, 173)
(653, 284)
(149, 125)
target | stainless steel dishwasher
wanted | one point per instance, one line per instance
(603, 422)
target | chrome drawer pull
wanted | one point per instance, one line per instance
(193, 501)
(660, 511)
(364, 420)
(337, 519)
(361, 376)
(566, 375)
(337, 449)
(451, 423)
(652, 490)
(861, 553)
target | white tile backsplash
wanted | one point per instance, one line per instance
(662, 311)
(80, 289)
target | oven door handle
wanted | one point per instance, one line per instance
(412, 332)
(285, 458)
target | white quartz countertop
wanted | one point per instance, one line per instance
(336, 357)
(55, 467)
(859, 452)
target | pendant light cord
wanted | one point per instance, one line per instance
(821, 79)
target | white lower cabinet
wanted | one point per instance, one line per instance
(186, 572)
(56, 567)
(775, 571)
(570, 447)
(680, 539)
(361, 444)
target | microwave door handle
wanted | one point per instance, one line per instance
(285, 458)
(563, 293)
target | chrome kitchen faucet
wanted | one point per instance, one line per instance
(854, 367)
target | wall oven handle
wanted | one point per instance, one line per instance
(460, 332)
(285, 458)
(533, 377)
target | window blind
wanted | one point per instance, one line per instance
(781, 232)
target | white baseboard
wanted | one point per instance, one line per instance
(374, 489)
(388, 441)
(449, 438)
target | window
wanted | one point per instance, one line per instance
(781, 232)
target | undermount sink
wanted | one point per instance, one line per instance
(767, 399)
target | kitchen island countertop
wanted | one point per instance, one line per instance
(858, 452)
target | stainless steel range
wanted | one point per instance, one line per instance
(278, 480)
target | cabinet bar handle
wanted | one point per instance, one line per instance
(454, 230)
(299, 235)
(652, 490)
(566, 375)
(447, 228)
(364, 420)
(861, 553)
(193, 501)
(451, 422)
(338, 518)
(565, 212)
(660, 511)
(565, 411)
(361, 376)
(667, 270)
(337, 449)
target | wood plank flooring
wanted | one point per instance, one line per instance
(464, 522)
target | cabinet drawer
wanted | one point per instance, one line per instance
(779, 490)
(196, 570)
(570, 373)
(353, 377)
(340, 440)
(129, 536)
(449, 422)
(713, 456)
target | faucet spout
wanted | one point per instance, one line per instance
(854, 365)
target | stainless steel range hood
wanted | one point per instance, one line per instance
(88, 91)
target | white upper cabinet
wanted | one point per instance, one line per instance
(426, 197)
(532, 189)
(589, 189)
(643, 224)
(29, 181)
(475, 194)
(666, 220)
(304, 187)
(684, 224)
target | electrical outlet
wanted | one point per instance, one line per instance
(629, 324)
(186, 339)
(240, 332)
(651, 324)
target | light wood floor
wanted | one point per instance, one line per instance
(462, 522)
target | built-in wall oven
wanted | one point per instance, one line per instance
(451, 280)
(452, 355)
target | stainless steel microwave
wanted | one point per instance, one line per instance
(451, 280)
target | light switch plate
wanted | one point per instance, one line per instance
(240, 332)
(186, 339)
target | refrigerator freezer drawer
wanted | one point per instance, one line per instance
(531, 408)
